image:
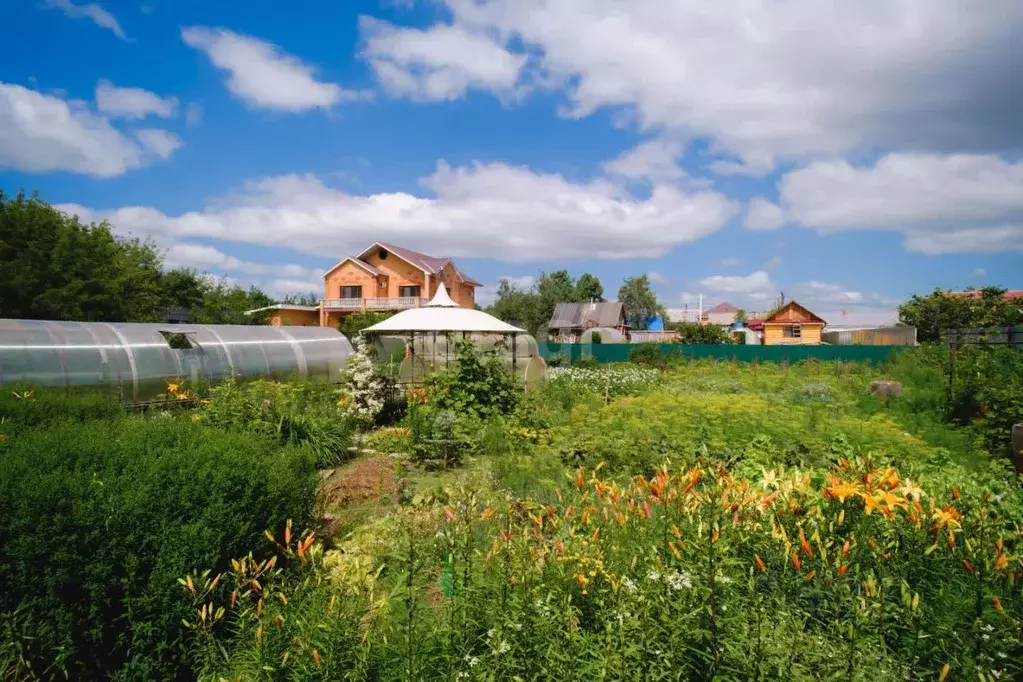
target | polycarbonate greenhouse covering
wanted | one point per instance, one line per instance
(141, 359)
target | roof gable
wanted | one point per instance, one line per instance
(355, 261)
(582, 315)
(794, 312)
(725, 307)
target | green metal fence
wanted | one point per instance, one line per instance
(619, 352)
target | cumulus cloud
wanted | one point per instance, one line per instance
(765, 80)
(755, 285)
(491, 210)
(761, 214)
(441, 63)
(42, 133)
(91, 11)
(159, 142)
(654, 160)
(940, 203)
(132, 103)
(262, 75)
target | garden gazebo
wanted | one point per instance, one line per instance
(424, 339)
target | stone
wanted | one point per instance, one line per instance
(886, 389)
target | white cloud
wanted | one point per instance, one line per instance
(92, 11)
(441, 63)
(651, 160)
(132, 103)
(727, 262)
(979, 272)
(940, 203)
(657, 278)
(492, 210)
(764, 215)
(826, 292)
(260, 74)
(277, 280)
(193, 114)
(773, 263)
(754, 285)
(159, 142)
(765, 80)
(42, 133)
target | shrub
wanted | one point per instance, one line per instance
(595, 337)
(365, 390)
(100, 520)
(694, 332)
(477, 385)
(295, 413)
(647, 354)
(24, 406)
(585, 362)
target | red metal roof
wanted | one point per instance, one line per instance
(724, 307)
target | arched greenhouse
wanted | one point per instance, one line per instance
(141, 359)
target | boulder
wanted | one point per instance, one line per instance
(886, 389)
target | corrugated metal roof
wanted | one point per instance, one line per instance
(582, 315)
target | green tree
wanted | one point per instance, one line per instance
(224, 302)
(522, 308)
(741, 316)
(694, 332)
(940, 310)
(352, 325)
(310, 299)
(182, 288)
(588, 288)
(639, 301)
(54, 267)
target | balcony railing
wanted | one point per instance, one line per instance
(386, 303)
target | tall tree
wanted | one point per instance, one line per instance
(520, 307)
(54, 267)
(940, 310)
(588, 288)
(639, 301)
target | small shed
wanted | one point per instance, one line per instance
(571, 320)
(792, 324)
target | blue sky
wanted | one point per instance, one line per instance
(848, 155)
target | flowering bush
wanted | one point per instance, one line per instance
(364, 388)
(687, 574)
(608, 380)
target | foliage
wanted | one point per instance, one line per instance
(694, 332)
(100, 519)
(533, 308)
(595, 337)
(942, 310)
(364, 389)
(478, 385)
(294, 413)
(741, 316)
(652, 355)
(639, 301)
(23, 406)
(352, 325)
(588, 288)
(55, 268)
(985, 392)
(856, 572)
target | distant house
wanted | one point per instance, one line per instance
(383, 277)
(791, 324)
(571, 320)
(722, 314)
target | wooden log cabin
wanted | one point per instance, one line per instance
(792, 324)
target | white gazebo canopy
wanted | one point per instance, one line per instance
(444, 315)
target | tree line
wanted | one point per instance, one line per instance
(53, 267)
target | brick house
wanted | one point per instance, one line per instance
(383, 277)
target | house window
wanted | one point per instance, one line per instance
(793, 331)
(351, 292)
(408, 292)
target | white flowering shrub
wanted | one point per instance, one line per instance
(611, 380)
(364, 388)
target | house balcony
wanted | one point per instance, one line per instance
(360, 304)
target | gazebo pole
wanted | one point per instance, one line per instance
(515, 337)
